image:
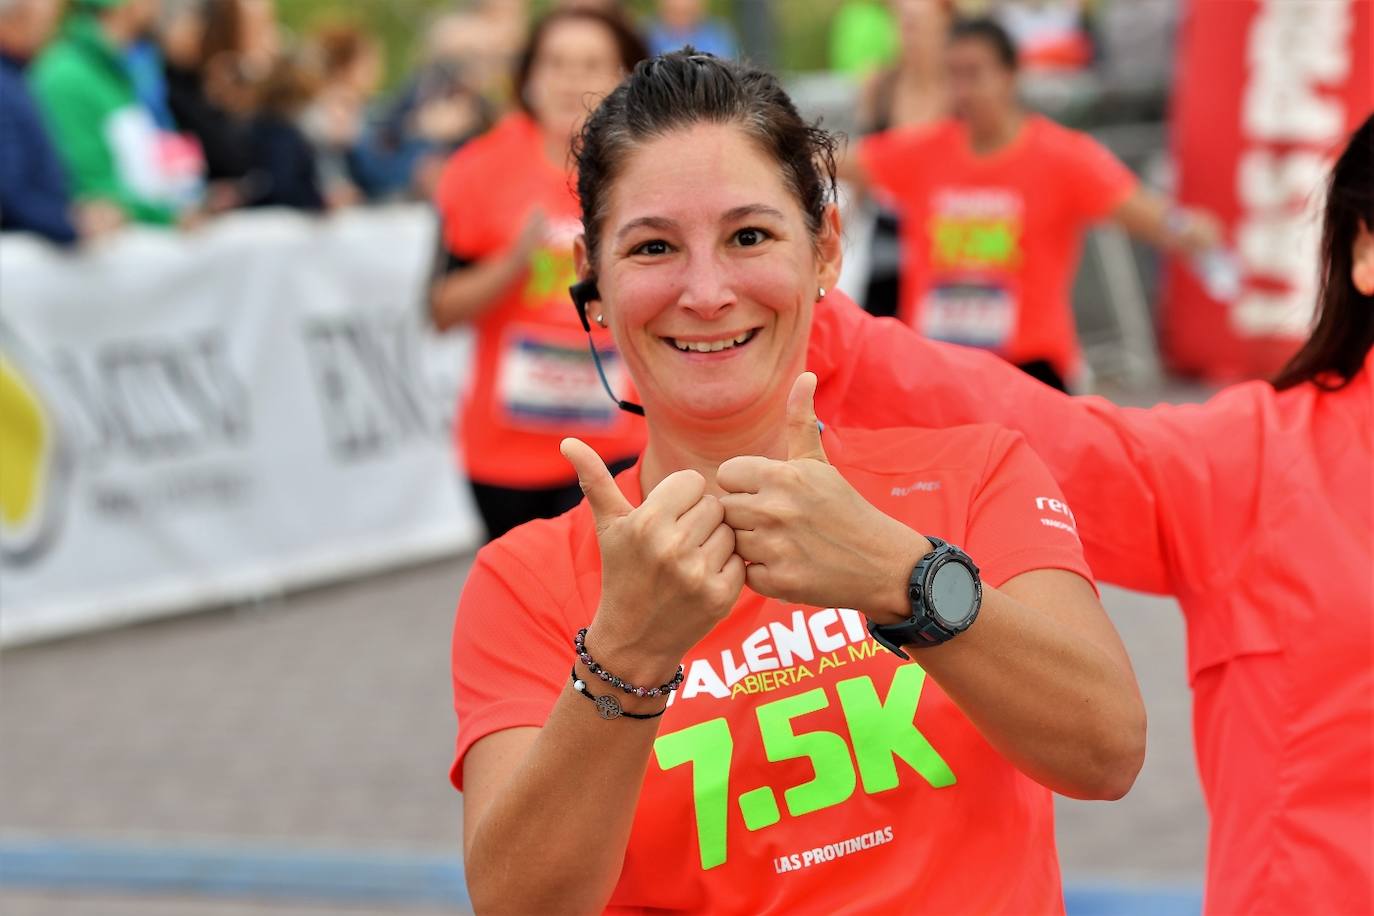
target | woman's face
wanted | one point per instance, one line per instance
(708, 275)
(576, 66)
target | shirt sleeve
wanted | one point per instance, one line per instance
(1160, 495)
(1096, 181)
(511, 654)
(460, 210)
(1019, 519)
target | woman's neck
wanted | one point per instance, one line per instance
(557, 148)
(704, 448)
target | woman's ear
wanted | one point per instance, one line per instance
(829, 248)
(581, 260)
(1362, 260)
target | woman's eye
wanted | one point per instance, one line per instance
(657, 246)
(747, 238)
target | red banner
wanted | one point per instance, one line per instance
(1265, 95)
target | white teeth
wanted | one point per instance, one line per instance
(712, 346)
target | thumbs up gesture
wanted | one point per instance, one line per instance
(668, 568)
(806, 534)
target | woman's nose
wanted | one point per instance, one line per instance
(706, 290)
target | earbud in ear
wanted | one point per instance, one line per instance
(584, 292)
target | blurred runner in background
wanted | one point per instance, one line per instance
(509, 219)
(994, 203)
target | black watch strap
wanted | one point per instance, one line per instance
(921, 629)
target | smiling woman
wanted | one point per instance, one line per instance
(729, 737)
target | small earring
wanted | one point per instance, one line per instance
(600, 320)
(822, 295)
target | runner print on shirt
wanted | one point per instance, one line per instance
(975, 255)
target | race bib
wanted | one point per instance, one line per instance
(549, 382)
(972, 314)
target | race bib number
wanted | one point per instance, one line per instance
(976, 315)
(551, 383)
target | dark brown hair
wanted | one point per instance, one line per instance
(628, 43)
(1336, 349)
(289, 86)
(342, 44)
(683, 88)
(991, 33)
(223, 30)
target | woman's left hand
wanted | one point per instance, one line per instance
(807, 535)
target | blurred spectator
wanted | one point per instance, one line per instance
(217, 53)
(912, 90)
(614, 7)
(497, 35)
(144, 60)
(685, 22)
(863, 37)
(33, 188)
(1051, 34)
(350, 64)
(437, 108)
(994, 203)
(282, 154)
(243, 35)
(108, 142)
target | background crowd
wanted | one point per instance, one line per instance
(167, 112)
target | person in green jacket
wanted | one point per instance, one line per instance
(106, 139)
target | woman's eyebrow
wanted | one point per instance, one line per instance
(738, 213)
(661, 223)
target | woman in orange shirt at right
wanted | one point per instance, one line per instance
(1256, 510)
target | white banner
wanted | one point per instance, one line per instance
(188, 420)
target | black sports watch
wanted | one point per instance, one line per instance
(945, 594)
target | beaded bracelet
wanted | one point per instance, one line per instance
(580, 644)
(607, 706)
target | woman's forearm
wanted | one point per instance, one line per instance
(462, 295)
(554, 837)
(1060, 706)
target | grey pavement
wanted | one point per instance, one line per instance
(323, 722)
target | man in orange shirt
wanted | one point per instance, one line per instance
(994, 203)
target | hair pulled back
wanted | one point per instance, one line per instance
(678, 90)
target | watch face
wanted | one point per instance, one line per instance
(952, 593)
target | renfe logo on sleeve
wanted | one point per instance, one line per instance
(1047, 504)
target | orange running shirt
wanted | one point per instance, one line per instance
(990, 243)
(801, 766)
(1256, 510)
(533, 381)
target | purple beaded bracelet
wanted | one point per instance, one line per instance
(580, 644)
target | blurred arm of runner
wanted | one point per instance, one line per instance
(1041, 673)
(463, 294)
(1149, 216)
(547, 811)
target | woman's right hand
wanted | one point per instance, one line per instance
(669, 572)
